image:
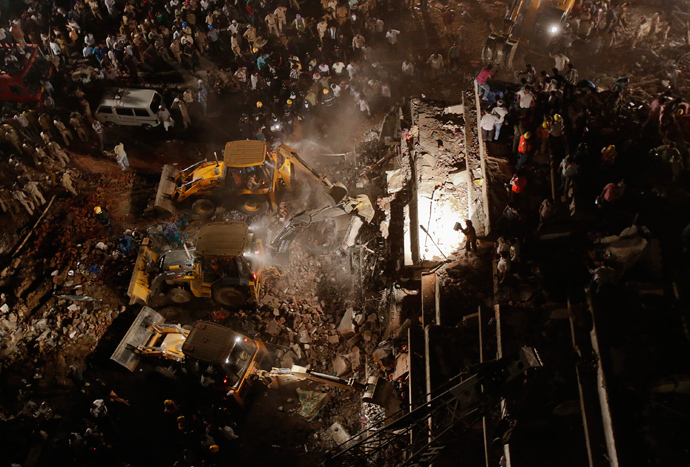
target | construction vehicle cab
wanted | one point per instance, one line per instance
(218, 357)
(222, 358)
(216, 268)
(248, 174)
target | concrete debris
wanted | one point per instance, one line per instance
(347, 326)
(341, 366)
(338, 433)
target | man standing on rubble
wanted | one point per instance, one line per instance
(488, 123)
(500, 111)
(121, 156)
(470, 236)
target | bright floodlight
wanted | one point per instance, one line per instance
(553, 29)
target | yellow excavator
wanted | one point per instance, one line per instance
(534, 21)
(219, 357)
(249, 175)
(222, 358)
(216, 268)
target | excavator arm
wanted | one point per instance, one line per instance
(359, 208)
(337, 191)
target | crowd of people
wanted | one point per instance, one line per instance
(287, 61)
(599, 144)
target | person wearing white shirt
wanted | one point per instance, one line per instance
(408, 68)
(500, 111)
(338, 68)
(525, 98)
(351, 70)
(392, 38)
(487, 123)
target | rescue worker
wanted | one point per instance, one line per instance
(488, 124)
(12, 137)
(608, 155)
(20, 196)
(176, 50)
(67, 183)
(7, 203)
(58, 154)
(202, 96)
(524, 149)
(101, 216)
(517, 184)
(281, 15)
(64, 132)
(31, 188)
(180, 105)
(272, 24)
(557, 138)
(328, 97)
(76, 122)
(500, 111)
(44, 122)
(99, 129)
(470, 236)
(543, 134)
(299, 23)
(165, 118)
(121, 156)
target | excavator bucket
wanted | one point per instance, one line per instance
(137, 335)
(500, 50)
(166, 188)
(338, 192)
(347, 214)
(138, 290)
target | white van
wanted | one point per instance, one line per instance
(131, 107)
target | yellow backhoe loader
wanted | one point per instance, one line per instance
(218, 357)
(223, 359)
(216, 268)
(248, 175)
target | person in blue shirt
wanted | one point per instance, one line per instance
(202, 95)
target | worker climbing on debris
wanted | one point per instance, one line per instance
(470, 236)
(485, 74)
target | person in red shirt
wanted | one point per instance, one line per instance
(518, 183)
(524, 149)
(484, 75)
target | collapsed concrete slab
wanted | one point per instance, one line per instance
(433, 166)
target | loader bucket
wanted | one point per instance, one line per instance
(164, 203)
(137, 335)
(139, 285)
